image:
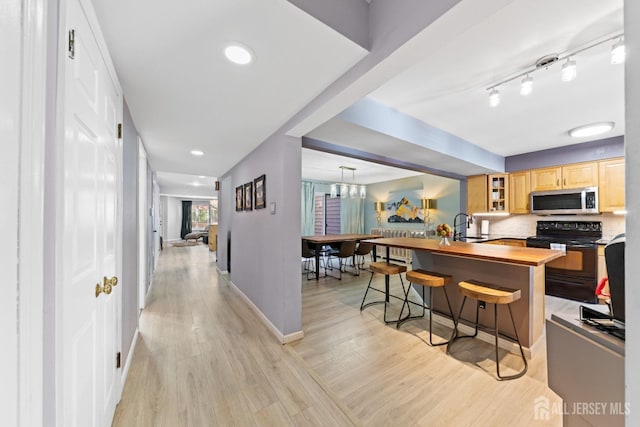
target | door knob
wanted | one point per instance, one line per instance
(106, 289)
(111, 282)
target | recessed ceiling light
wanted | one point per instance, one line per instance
(238, 54)
(201, 176)
(591, 129)
(197, 152)
(196, 184)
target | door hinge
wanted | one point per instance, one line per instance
(119, 130)
(72, 44)
(117, 360)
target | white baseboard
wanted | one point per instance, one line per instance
(225, 272)
(127, 363)
(283, 339)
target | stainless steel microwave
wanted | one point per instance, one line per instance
(565, 202)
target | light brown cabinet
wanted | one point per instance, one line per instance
(508, 242)
(569, 176)
(477, 194)
(519, 189)
(213, 237)
(487, 193)
(611, 185)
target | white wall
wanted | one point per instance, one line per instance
(171, 218)
(10, 31)
(632, 155)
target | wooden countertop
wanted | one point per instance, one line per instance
(498, 253)
(334, 238)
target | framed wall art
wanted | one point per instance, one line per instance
(248, 196)
(239, 198)
(260, 189)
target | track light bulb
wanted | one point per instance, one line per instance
(618, 52)
(527, 86)
(494, 97)
(569, 70)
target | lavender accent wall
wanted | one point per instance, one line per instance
(265, 247)
(129, 278)
(381, 118)
(348, 17)
(585, 152)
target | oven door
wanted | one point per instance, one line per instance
(579, 261)
(572, 276)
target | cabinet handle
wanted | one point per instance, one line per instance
(558, 182)
(565, 181)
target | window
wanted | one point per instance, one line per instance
(199, 217)
(327, 214)
(203, 214)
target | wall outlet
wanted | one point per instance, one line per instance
(482, 304)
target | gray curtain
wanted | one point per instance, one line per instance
(307, 208)
(186, 218)
(352, 216)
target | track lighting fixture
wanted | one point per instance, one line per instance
(494, 97)
(526, 87)
(569, 68)
(618, 52)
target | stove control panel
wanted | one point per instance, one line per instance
(573, 228)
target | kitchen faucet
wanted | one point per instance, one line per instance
(456, 234)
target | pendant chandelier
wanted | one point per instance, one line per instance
(351, 190)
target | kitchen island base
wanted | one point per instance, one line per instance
(528, 311)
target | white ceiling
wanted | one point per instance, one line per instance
(184, 95)
(448, 88)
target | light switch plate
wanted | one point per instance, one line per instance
(272, 208)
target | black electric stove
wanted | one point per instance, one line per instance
(573, 276)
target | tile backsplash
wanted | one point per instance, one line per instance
(525, 225)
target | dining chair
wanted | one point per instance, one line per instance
(364, 248)
(347, 250)
(309, 256)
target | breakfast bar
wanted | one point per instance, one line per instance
(513, 267)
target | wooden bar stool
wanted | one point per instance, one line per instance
(495, 295)
(387, 269)
(431, 280)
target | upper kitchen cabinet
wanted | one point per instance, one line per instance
(546, 179)
(570, 176)
(519, 189)
(487, 193)
(611, 188)
(477, 194)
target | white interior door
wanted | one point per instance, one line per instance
(89, 327)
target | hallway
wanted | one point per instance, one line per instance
(204, 358)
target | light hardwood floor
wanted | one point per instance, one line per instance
(204, 358)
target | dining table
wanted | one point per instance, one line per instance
(320, 240)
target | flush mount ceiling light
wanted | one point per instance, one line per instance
(569, 68)
(618, 52)
(197, 153)
(591, 129)
(238, 53)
